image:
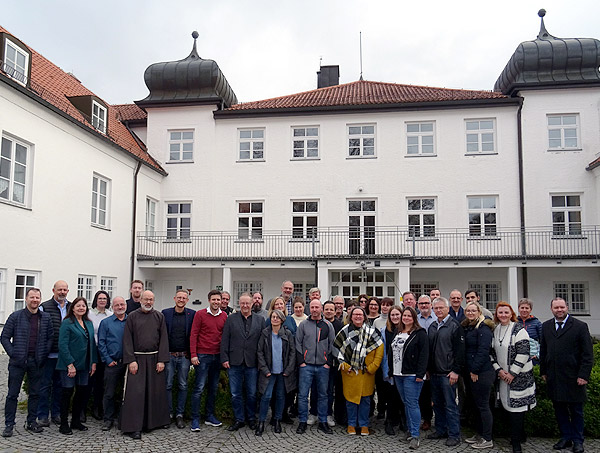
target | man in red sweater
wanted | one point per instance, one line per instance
(205, 345)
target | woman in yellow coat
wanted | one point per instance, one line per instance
(359, 349)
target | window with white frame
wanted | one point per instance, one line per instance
(361, 140)
(251, 144)
(244, 287)
(100, 200)
(108, 284)
(420, 138)
(420, 288)
(179, 220)
(566, 215)
(480, 136)
(250, 219)
(301, 290)
(86, 287)
(149, 285)
(150, 216)
(563, 132)
(99, 117)
(23, 281)
(305, 216)
(489, 292)
(483, 215)
(181, 146)
(421, 217)
(15, 157)
(575, 294)
(305, 142)
(16, 62)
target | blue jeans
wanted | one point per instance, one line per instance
(276, 382)
(243, 378)
(307, 374)
(570, 420)
(50, 390)
(447, 415)
(15, 380)
(410, 391)
(358, 414)
(209, 369)
(181, 366)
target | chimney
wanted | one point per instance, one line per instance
(328, 76)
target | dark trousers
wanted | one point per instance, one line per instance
(15, 380)
(339, 409)
(394, 407)
(113, 379)
(78, 402)
(480, 392)
(50, 389)
(517, 427)
(570, 420)
(425, 401)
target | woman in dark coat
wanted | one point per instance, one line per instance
(276, 369)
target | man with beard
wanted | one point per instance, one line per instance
(257, 302)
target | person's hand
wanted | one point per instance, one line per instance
(345, 366)
(113, 363)
(544, 377)
(195, 361)
(418, 380)
(225, 365)
(302, 365)
(160, 366)
(93, 370)
(326, 366)
(133, 368)
(268, 374)
(581, 381)
(71, 371)
(453, 377)
(474, 377)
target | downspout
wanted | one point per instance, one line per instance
(522, 195)
(133, 220)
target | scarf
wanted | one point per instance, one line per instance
(352, 345)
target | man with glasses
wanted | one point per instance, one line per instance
(425, 318)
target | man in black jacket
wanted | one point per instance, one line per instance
(26, 338)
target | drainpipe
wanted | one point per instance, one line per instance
(522, 195)
(133, 219)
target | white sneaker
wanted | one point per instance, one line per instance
(473, 439)
(483, 444)
(312, 419)
(330, 421)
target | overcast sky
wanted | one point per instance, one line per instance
(269, 48)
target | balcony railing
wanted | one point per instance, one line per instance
(370, 242)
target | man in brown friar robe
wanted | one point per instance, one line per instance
(145, 351)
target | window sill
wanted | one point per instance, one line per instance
(491, 153)
(420, 155)
(16, 205)
(246, 241)
(250, 160)
(360, 157)
(555, 150)
(179, 162)
(178, 241)
(422, 239)
(295, 159)
(579, 314)
(484, 238)
(306, 240)
(100, 227)
(568, 236)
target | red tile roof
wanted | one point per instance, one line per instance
(130, 112)
(365, 92)
(55, 86)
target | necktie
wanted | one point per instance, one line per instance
(560, 324)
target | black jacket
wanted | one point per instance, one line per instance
(50, 307)
(478, 341)
(237, 348)
(265, 358)
(15, 337)
(446, 347)
(415, 355)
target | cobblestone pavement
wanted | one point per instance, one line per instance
(213, 440)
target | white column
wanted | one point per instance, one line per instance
(323, 282)
(403, 279)
(513, 288)
(228, 282)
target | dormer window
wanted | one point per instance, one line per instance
(16, 60)
(99, 117)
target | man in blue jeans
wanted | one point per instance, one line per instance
(314, 340)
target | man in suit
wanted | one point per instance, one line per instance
(566, 359)
(239, 347)
(179, 321)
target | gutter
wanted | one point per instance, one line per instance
(522, 192)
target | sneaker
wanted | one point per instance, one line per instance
(195, 426)
(43, 422)
(414, 443)
(407, 436)
(330, 421)
(33, 428)
(451, 442)
(483, 444)
(8, 431)
(312, 419)
(211, 420)
(364, 431)
(351, 430)
(473, 439)
(179, 422)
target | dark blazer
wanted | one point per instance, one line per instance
(265, 358)
(566, 355)
(73, 346)
(237, 348)
(189, 320)
(15, 338)
(51, 308)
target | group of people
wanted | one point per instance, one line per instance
(321, 361)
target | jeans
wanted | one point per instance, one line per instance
(113, 377)
(15, 379)
(307, 374)
(50, 389)
(570, 420)
(410, 390)
(209, 370)
(314, 394)
(243, 378)
(80, 379)
(447, 415)
(181, 366)
(275, 382)
(480, 391)
(358, 414)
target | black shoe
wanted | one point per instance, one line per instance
(83, 418)
(562, 444)
(287, 419)
(55, 420)
(137, 435)
(277, 426)
(260, 428)
(34, 428)
(272, 421)
(436, 435)
(65, 429)
(577, 447)
(45, 423)
(517, 447)
(96, 413)
(237, 425)
(252, 424)
(108, 424)
(324, 427)
(79, 426)
(380, 415)
(301, 428)
(8, 431)
(389, 429)
(452, 442)
(179, 422)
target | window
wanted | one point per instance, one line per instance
(245, 287)
(419, 138)
(100, 200)
(566, 215)
(150, 216)
(420, 288)
(563, 132)
(489, 293)
(361, 227)
(575, 294)
(179, 220)
(482, 215)
(305, 216)
(361, 140)
(351, 284)
(86, 287)
(108, 284)
(181, 146)
(252, 144)
(99, 117)
(14, 165)
(16, 62)
(480, 136)
(306, 143)
(421, 217)
(23, 281)
(250, 219)
(301, 290)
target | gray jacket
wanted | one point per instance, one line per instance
(314, 341)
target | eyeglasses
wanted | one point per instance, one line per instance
(424, 303)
